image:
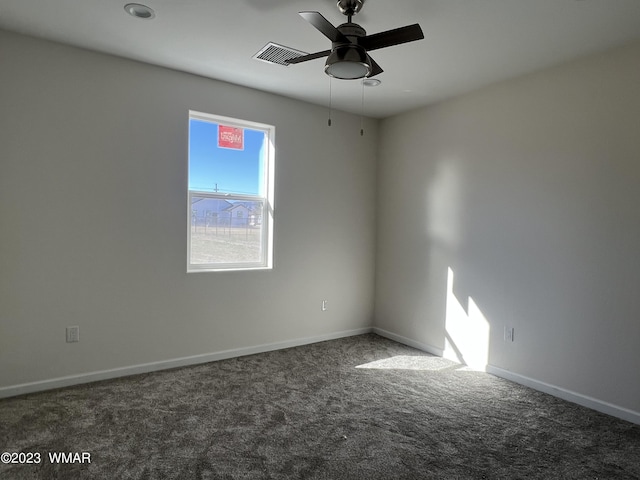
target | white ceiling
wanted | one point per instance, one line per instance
(468, 43)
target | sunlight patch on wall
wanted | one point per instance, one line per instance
(466, 332)
(443, 198)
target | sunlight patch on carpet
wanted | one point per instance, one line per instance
(409, 362)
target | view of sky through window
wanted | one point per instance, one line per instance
(228, 170)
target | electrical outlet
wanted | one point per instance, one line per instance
(73, 334)
(508, 334)
(324, 305)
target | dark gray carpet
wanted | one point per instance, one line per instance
(311, 413)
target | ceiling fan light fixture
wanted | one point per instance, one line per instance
(348, 62)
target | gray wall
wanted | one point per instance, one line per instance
(93, 218)
(528, 191)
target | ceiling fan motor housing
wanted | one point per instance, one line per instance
(352, 31)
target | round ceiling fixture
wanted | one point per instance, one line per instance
(371, 82)
(139, 11)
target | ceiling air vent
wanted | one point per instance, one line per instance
(278, 54)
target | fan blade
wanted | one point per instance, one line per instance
(325, 27)
(311, 56)
(397, 36)
(375, 68)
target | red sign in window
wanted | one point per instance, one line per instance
(230, 137)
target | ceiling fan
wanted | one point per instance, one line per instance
(348, 58)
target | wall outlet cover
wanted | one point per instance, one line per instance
(508, 334)
(73, 334)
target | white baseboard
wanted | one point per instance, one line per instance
(409, 342)
(584, 400)
(21, 389)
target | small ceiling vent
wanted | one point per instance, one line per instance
(278, 54)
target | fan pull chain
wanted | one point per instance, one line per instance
(329, 121)
(362, 111)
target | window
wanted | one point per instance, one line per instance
(230, 194)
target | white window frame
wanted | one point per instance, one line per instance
(266, 196)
